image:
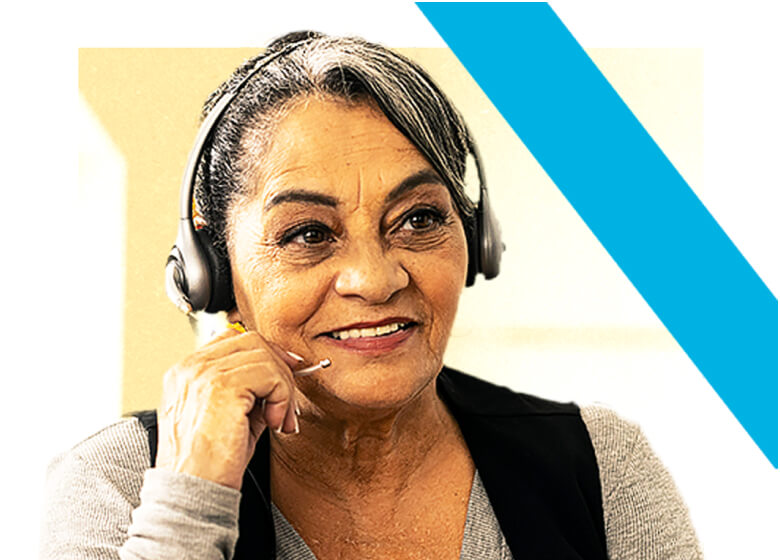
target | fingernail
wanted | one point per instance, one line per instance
(295, 356)
(279, 429)
(262, 406)
(297, 410)
(297, 426)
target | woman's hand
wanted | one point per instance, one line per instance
(217, 402)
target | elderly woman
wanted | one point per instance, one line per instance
(333, 225)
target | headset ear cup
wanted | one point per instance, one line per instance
(176, 281)
(490, 246)
(221, 298)
(485, 246)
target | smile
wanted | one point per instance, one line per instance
(369, 332)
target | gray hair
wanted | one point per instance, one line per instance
(349, 69)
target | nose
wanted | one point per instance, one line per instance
(370, 272)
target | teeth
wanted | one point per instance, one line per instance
(366, 333)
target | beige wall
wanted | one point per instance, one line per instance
(148, 101)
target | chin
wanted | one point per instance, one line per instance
(374, 385)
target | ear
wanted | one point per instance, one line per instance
(234, 316)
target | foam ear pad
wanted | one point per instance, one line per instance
(473, 247)
(221, 298)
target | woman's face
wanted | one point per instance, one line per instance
(349, 248)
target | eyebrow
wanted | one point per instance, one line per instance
(304, 196)
(423, 177)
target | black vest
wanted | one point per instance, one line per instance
(534, 457)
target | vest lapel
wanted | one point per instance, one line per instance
(537, 465)
(256, 536)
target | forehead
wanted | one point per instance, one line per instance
(337, 149)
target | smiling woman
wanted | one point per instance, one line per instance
(335, 225)
(350, 219)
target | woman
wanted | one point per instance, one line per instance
(335, 226)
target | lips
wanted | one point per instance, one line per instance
(373, 337)
(385, 327)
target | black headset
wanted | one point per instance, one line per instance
(198, 279)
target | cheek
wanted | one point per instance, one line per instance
(440, 282)
(273, 300)
(277, 300)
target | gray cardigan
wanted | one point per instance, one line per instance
(105, 503)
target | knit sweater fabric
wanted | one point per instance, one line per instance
(105, 503)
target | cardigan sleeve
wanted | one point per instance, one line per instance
(644, 514)
(103, 502)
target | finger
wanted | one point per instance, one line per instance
(262, 358)
(231, 341)
(291, 420)
(256, 421)
(272, 357)
(274, 387)
(293, 361)
(258, 357)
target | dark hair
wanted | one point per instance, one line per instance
(350, 69)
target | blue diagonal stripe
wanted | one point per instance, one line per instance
(629, 195)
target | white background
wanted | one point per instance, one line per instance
(55, 328)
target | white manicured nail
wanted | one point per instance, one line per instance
(295, 356)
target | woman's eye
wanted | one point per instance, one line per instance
(307, 235)
(312, 236)
(422, 220)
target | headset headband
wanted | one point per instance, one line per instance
(188, 280)
(193, 279)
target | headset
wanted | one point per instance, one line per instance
(198, 279)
